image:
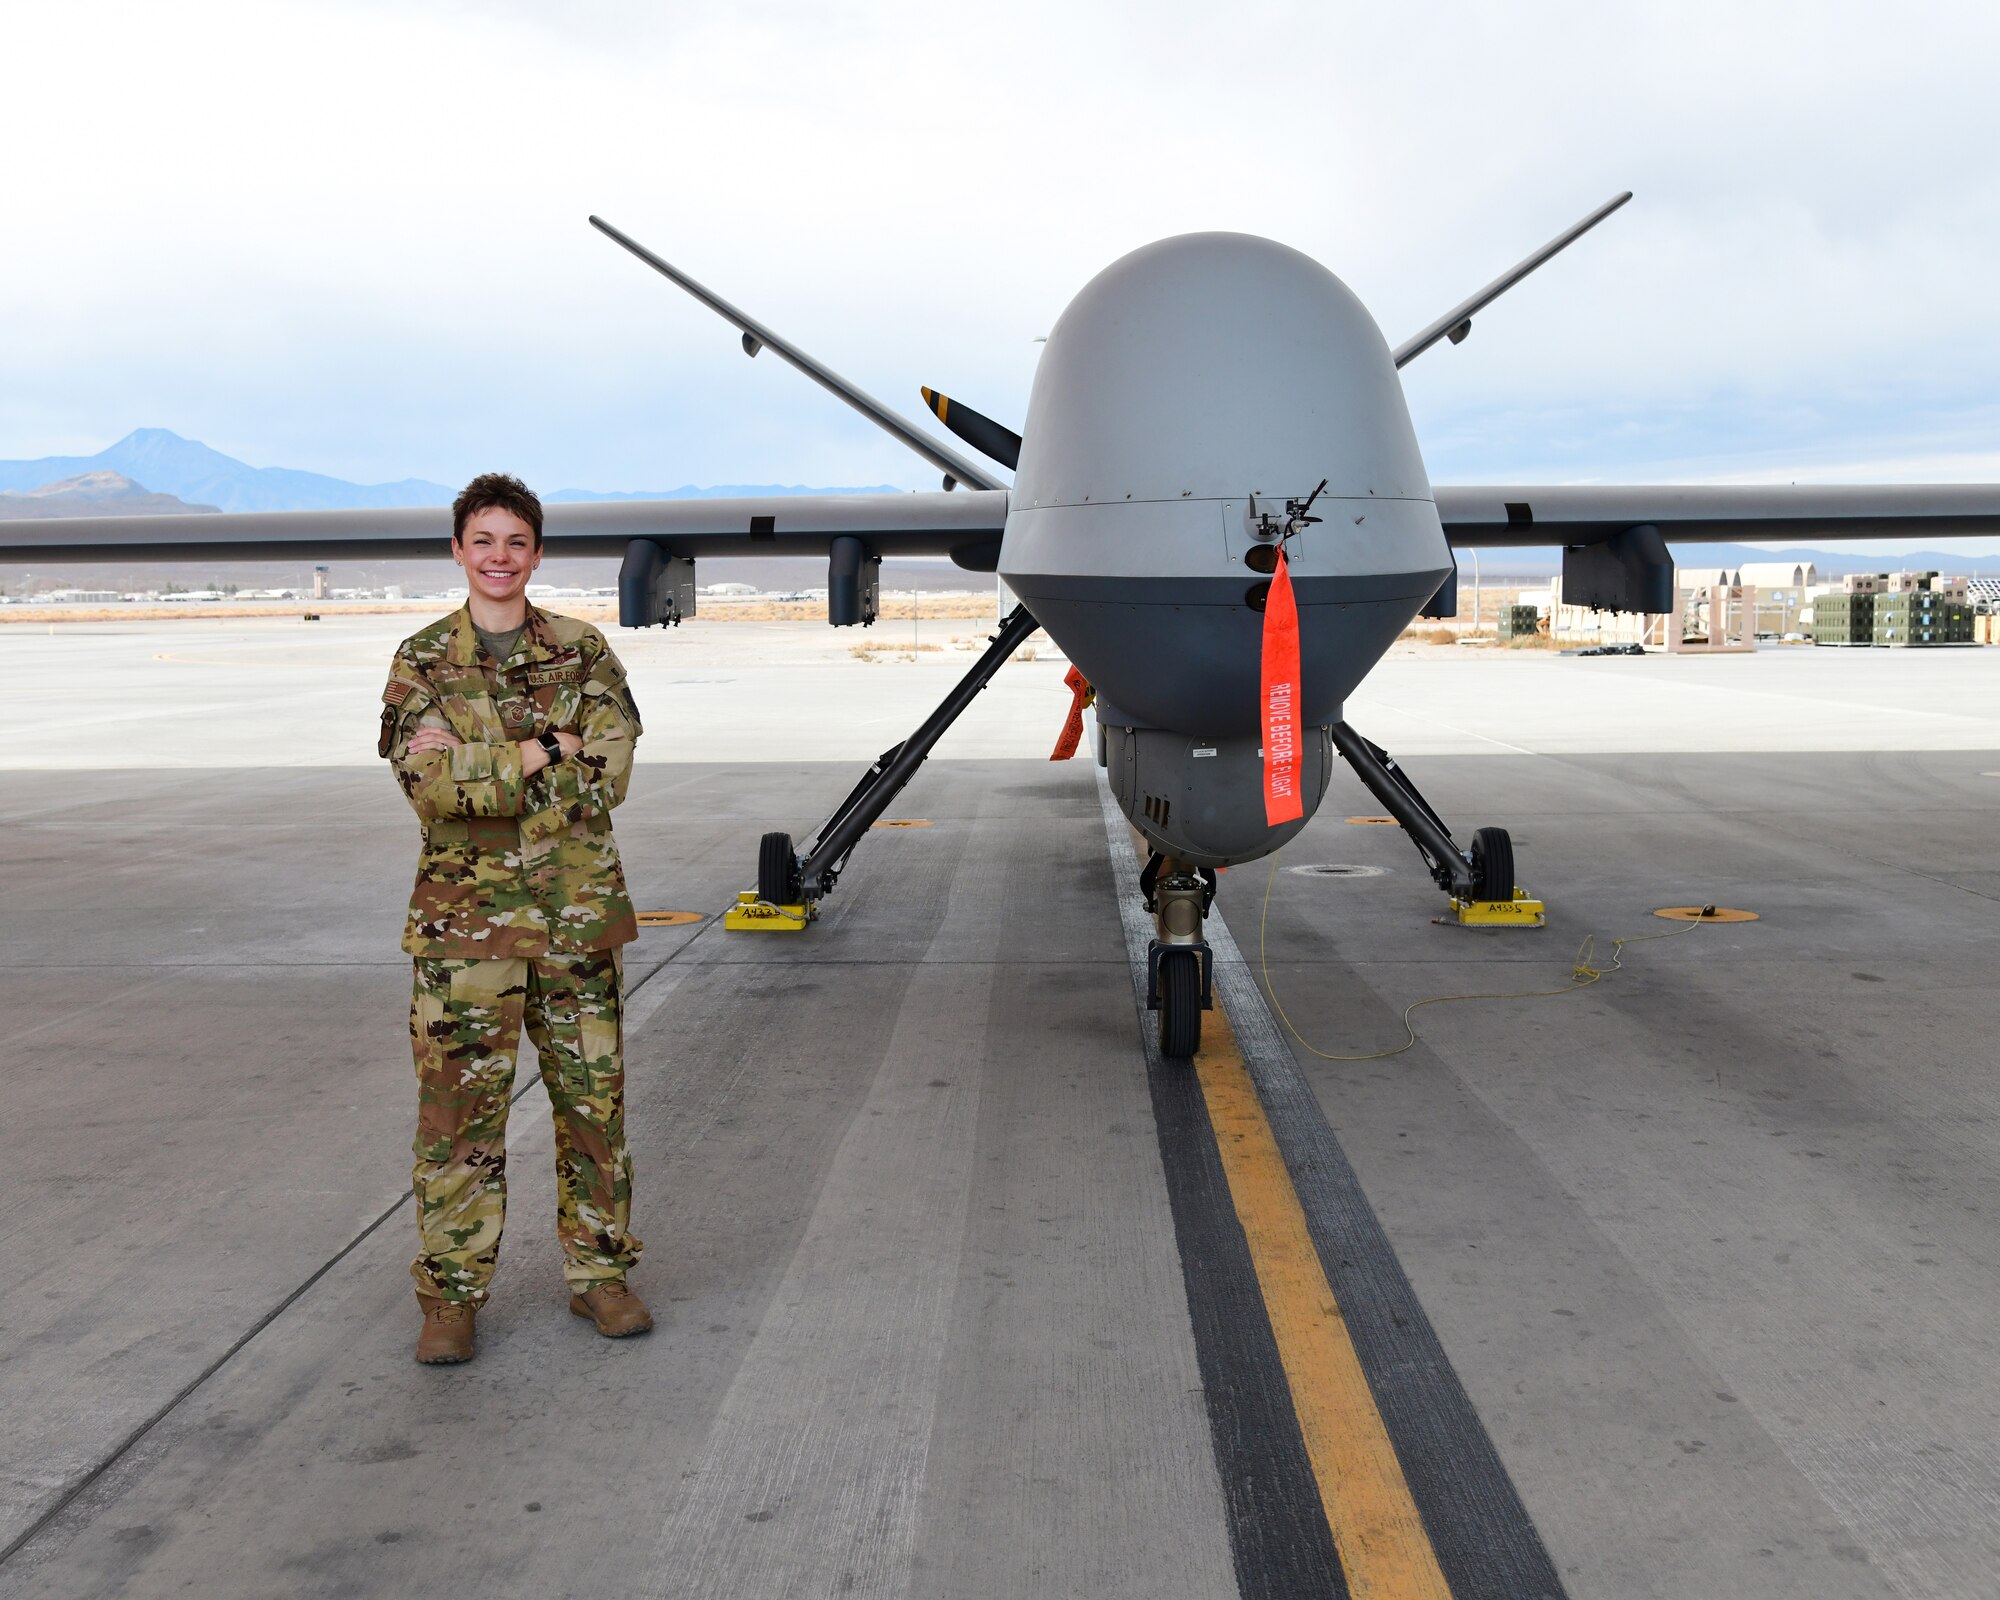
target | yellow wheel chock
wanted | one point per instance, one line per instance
(751, 915)
(1519, 912)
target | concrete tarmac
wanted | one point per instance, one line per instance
(1710, 1241)
(1707, 1245)
(263, 692)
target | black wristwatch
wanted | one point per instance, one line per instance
(551, 745)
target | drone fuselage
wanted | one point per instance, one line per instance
(1190, 392)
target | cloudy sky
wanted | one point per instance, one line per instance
(349, 236)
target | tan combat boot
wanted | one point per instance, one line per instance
(447, 1331)
(617, 1311)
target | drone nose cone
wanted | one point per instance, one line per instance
(1193, 398)
(1210, 365)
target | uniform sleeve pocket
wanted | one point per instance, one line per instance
(612, 686)
(403, 703)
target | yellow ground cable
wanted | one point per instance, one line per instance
(1582, 976)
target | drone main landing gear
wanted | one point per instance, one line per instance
(1480, 881)
(789, 886)
(1180, 966)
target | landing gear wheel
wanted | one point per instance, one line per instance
(777, 870)
(1180, 1004)
(1492, 865)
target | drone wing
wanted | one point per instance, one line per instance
(1614, 537)
(965, 526)
(1585, 514)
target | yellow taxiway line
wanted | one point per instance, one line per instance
(1384, 1550)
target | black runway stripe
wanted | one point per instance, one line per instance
(1479, 1531)
(1278, 1534)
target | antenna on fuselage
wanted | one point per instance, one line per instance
(1295, 521)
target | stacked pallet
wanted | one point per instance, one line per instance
(1844, 619)
(1895, 610)
(1921, 617)
(1517, 622)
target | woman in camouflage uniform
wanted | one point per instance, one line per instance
(511, 732)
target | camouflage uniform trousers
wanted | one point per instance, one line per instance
(465, 1026)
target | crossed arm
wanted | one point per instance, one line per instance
(445, 776)
(533, 756)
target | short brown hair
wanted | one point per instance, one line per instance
(496, 489)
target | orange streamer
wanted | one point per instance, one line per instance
(1280, 700)
(1072, 730)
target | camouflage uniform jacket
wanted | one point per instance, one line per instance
(513, 866)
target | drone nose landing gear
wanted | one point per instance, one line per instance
(1180, 966)
(1480, 881)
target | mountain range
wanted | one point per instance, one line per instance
(92, 494)
(209, 480)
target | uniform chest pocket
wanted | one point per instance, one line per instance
(474, 718)
(560, 703)
(467, 704)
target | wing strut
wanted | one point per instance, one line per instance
(1457, 322)
(955, 467)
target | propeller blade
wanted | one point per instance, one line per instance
(982, 433)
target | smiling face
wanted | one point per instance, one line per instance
(499, 554)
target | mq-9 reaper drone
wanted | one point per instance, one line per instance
(1218, 512)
